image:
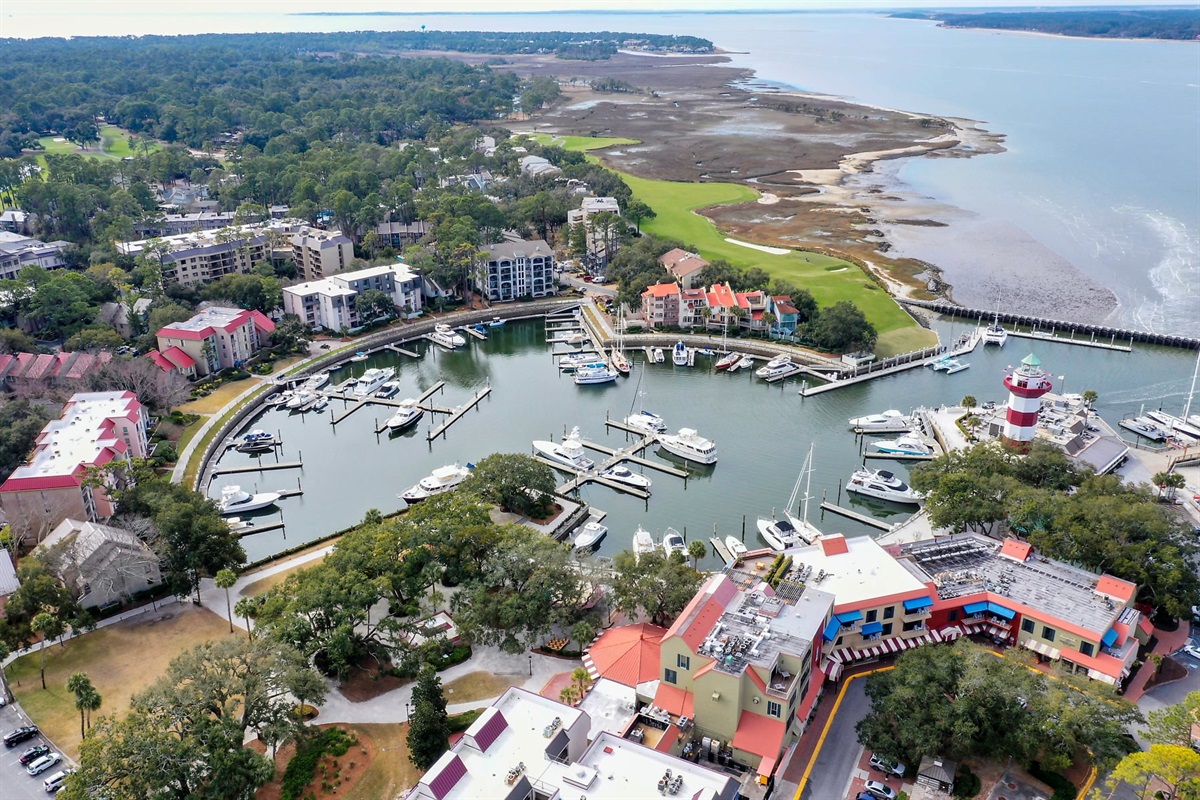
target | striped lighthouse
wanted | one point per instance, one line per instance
(1026, 384)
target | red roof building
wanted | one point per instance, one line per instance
(22, 368)
(683, 266)
(660, 305)
(215, 339)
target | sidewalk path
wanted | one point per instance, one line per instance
(1168, 642)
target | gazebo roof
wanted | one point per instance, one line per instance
(629, 654)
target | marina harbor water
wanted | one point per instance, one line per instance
(763, 432)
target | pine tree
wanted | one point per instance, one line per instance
(429, 726)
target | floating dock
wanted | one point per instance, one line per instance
(470, 331)
(1050, 337)
(854, 515)
(968, 346)
(454, 417)
(720, 549)
(398, 349)
(261, 467)
(273, 526)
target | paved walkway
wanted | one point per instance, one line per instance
(1168, 642)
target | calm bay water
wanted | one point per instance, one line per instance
(763, 432)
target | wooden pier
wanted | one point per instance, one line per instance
(454, 417)
(260, 467)
(395, 348)
(274, 526)
(837, 383)
(591, 476)
(854, 515)
(1050, 337)
(720, 549)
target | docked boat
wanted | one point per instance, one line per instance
(569, 452)
(234, 500)
(440, 481)
(690, 445)
(735, 546)
(480, 329)
(792, 530)
(626, 476)
(258, 435)
(890, 420)
(359, 356)
(995, 334)
(673, 543)
(728, 360)
(239, 525)
(276, 398)
(572, 362)
(595, 373)
(590, 535)
(496, 322)
(444, 335)
(316, 381)
(658, 355)
(1175, 424)
(643, 542)
(300, 399)
(646, 421)
(321, 404)
(679, 355)
(407, 414)
(942, 364)
(780, 360)
(619, 361)
(705, 351)
(389, 389)
(775, 371)
(372, 379)
(956, 366)
(256, 442)
(1144, 427)
(908, 445)
(882, 485)
(746, 361)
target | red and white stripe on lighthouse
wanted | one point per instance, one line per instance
(1026, 384)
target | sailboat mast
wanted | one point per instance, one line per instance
(808, 481)
(1187, 409)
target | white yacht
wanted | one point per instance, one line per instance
(780, 370)
(590, 535)
(679, 356)
(372, 379)
(626, 476)
(234, 500)
(995, 333)
(321, 404)
(882, 485)
(389, 389)
(595, 373)
(442, 480)
(791, 531)
(569, 452)
(643, 542)
(690, 445)
(300, 399)
(407, 414)
(646, 421)
(657, 353)
(444, 335)
(890, 420)
(572, 362)
(673, 543)
(907, 445)
(746, 361)
(1174, 423)
(316, 381)
(780, 360)
(735, 546)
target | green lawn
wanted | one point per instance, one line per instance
(829, 279)
(581, 144)
(114, 143)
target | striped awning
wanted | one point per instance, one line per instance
(972, 627)
(834, 670)
(1100, 676)
(951, 633)
(996, 630)
(1041, 648)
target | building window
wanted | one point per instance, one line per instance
(872, 615)
(774, 709)
(1027, 625)
(683, 662)
(1087, 648)
(889, 612)
(952, 616)
(1048, 633)
(887, 628)
(838, 643)
(670, 676)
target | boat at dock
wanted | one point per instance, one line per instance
(956, 366)
(444, 335)
(889, 421)
(316, 381)
(372, 379)
(595, 373)
(235, 500)
(1144, 427)
(646, 421)
(779, 370)
(569, 452)
(496, 322)
(408, 414)
(908, 445)
(256, 442)
(679, 355)
(673, 543)
(705, 351)
(882, 485)
(481, 329)
(277, 398)
(321, 404)
(359, 356)
(689, 445)
(440, 481)
(591, 535)
(572, 362)
(995, 333)
(735, 546)
(643, 542)
(389, 389)
(728, 360)
(300, 399)
(1174, 424)
(658, 356)
(780, 360)
(239, 525)
(619, 361)
(792, 531)
(745, 362)
(626, 476)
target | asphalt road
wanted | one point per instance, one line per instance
(16, 783)
(575, 283)
(831, 774)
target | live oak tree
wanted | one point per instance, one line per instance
(1176, 766)
(515, 482)
(655, 585)
(1173, 724)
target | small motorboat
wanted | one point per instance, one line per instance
(735, 546)
(239, 525)
(646, 421)
(274, 399)
(643, 542)
(300, 399)
(705, 351)
(408, 414)
(659, 356)
(907, 445)
(389, 389)
(728, 360)
(673, 543)
(480, 329)
(321, 404)
(359, 356)
(591, 535)
(882, 485)
(496, 322)
(572, 362)
(624, 475)
(890, 420)
(234, 500)
(679, 355)
(442, 480)
(745, 362)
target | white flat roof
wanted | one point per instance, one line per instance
(625, 770)
(76, 438)
(864, 572)
(326, 287)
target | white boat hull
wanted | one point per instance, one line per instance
(735, 546)
(624, 476)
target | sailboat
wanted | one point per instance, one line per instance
(792, 531)
(1188, 424)
(643, 420)
(617, 354)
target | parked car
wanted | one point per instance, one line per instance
(865, 796)
(1191, 650)
(599, 279)
(57, 782)
(14, 738)
(886, 765)
(880, 791)
(33, 754)
(44, 763)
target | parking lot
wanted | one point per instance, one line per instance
(17, 784)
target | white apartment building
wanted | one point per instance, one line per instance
(516, 269)
(329, 303)
(18, 251)
(320, 253)
(601, 245)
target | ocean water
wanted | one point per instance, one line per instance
(1103, 163)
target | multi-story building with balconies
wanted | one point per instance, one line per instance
(516, 269)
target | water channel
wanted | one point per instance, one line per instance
(762, 431)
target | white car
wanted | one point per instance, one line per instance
(887, 766)
(880, 790)
(44, 763)
(1191, 650)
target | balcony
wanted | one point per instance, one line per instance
(781, 683)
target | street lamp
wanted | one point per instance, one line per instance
(407, 710)
(531, 665)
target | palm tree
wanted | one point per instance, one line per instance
(247, 609)
(696, 550)
(581, 681)
(1171, 481)
(49, 627)
(569, 695)
(224, 579)
(969, 402)
(769, 320)
(87, 699)
(1089, 397)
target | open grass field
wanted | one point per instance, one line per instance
(214, 402)
(829, 279)
(390, 771)
(121, 660)
(478, 686)
(271, 581)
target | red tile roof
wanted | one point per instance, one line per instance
(703, 611)
(178, 357)
(674, 700)
(661, 290)
(784, 305)
(721, 295)
(1115, 587)
(759, 735)
(262, 321)
(629, 654)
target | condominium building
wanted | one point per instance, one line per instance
(330, 303)
(95, 429)
(99, 564)
(319, 253)
(214, 339)
(683, 267)
(515, 269)
(660, 305)
(602, 243)
(18, 251)
(527, 747)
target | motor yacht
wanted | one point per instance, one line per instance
(780, 533)
(690, 445)
(316, 381)
(574, 361)
(626, 476)
(389, 389)
(890, 420)
(372, 379)
(780, 370)
(643, 542)
(590, 535)
(735, 546)
(234, 500)
(407, 414)
(780, 360)
(569, 452)
(300, 399)
(646, 421)
(673, 543)
(595, 373)
(746, 361)
(440, 481)
(446, 337)
(728, 360)
(908, 445)
(679, 355)
(882, 485)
